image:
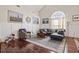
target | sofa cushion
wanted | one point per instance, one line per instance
(57, 34)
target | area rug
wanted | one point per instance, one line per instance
(58, 46)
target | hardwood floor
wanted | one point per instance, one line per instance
(22, 47)
(27, 47)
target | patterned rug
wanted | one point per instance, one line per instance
(71, 45)
(58, 46)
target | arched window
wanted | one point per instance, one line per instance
(58, 20)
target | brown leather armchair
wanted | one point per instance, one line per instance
(41, 35)
(22, 33)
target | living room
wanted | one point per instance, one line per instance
(41, 22)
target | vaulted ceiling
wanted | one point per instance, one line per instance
(29, 8)
(33, 8)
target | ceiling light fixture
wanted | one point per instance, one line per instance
(18, 5)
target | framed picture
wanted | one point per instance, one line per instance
(45, 20)
(75, 17)
(35, 20)
(14, 16)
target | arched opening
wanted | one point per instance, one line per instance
(58, 20)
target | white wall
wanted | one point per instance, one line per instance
(47, 11)
(7, 28)
(0, 30)
(74, 29)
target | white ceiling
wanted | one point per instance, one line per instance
(29, 8)
(32, 8)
